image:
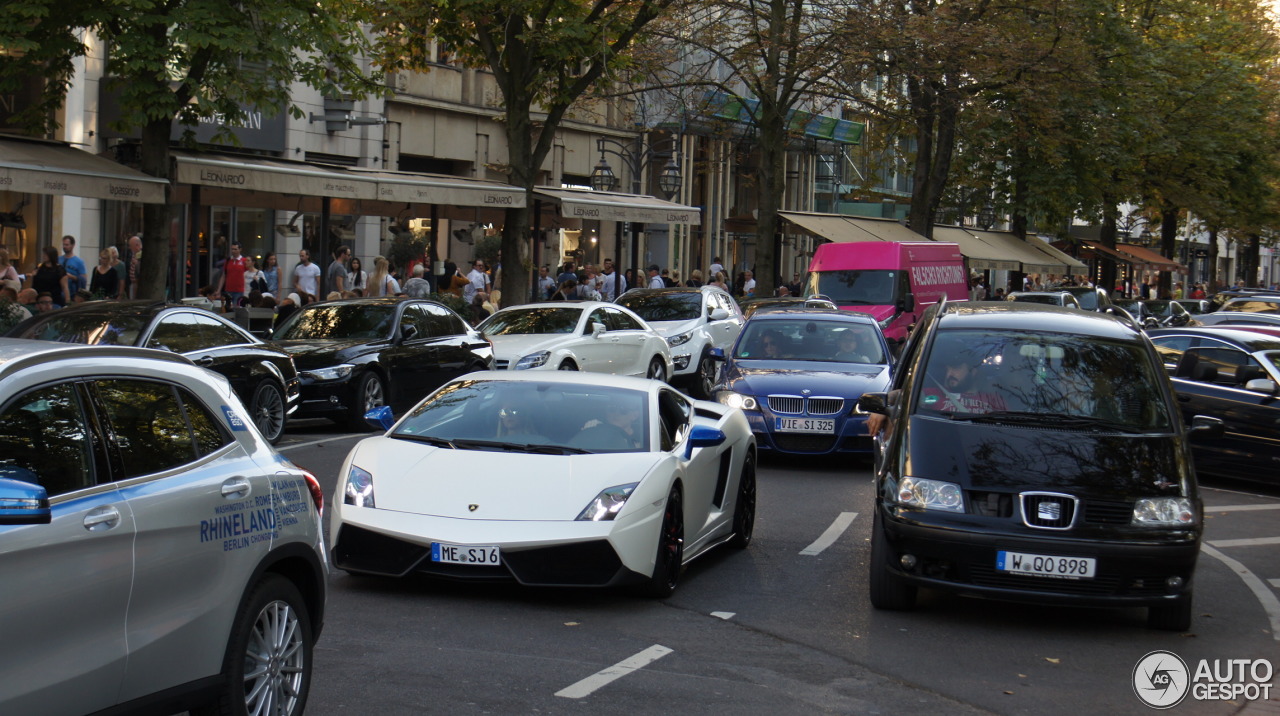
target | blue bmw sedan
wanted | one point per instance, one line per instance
(798, 373)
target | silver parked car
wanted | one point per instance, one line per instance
(157, 552)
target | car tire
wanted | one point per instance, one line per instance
(1171, 617)
(669, 561)
(704, 378)
(269, 410)
(370, 393)
(744, 507)
(887, 589)
(657, 370)
(258, 664)
(567, 364)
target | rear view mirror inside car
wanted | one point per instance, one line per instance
(1031, 350)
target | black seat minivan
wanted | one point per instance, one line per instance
(1035, 453)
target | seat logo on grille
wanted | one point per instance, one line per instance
(1049, 511)
(473, 508)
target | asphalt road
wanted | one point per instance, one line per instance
(782, 628)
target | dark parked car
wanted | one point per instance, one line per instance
(1258, 310)
(357, 354)
(1035, 453)
(1139, 310)
(1171, 313)
(1230, 372)
(798, 373)
(262, 375)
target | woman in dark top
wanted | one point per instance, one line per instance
(105, 281)
(51, 278)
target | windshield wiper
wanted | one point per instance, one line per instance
(519, 447)
(1023, 417)
(438, 442)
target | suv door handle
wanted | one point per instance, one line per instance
(101, 519)
(235, 487)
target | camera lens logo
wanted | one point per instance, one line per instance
(1161, 679)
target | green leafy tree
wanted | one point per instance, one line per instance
(545, 56)
(183, 60)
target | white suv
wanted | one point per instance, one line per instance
(693, 320)
(158, 553)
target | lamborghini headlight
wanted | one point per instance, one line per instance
(608, 503)
(359, 489)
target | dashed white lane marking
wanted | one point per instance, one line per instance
(1274, 582)
(1270, 604)
(723, 615)
(317, 442)
(1249, 542)
(618, 670)
(832, 534)
(1241, 508)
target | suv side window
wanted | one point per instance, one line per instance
(153, 428)
(46, 440)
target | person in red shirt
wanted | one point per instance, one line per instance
(231, 283)
(958, 391)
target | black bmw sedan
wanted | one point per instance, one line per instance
(262, 376)
(1035, 453)
(357, 354)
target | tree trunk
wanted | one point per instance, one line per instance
(936, 113)
(154, 268)
(1211, 275)
(1107, 237)
(1168, 246)
(773, 175)
(1249, 260)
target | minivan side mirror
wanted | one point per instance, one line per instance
(23, 502)
(909, 303)
(874, 403)
(1206, 427)
(719, 314)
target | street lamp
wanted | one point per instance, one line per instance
(635, 159)
(987, 216)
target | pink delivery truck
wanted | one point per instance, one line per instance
(892, 281)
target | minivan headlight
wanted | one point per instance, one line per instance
(679, 339)
(736, 400)
(1170, 511)
(930, 494)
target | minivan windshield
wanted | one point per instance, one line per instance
(1043, 378)
(862, 287)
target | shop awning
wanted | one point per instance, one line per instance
(34, 166)
(844, 229)
(1153, 260)
(1107, 253)
(272, 175)
(613, 206)
(981, 255)
(1032, 259)
(443, 189)
(1074, 265)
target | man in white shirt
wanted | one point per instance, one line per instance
(614, 284)
(655, 280)
(306, 275)
(477, 280)
(748, 283)
(716, 267)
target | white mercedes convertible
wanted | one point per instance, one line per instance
(547, 479)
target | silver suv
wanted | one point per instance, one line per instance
(693, 320)
(157, 553)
